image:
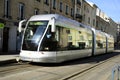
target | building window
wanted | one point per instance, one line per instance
(21, 11)
(78, 2)
(69, 37)
(66, 10)
(84, 17)
(97, 24)
(7, 8)
(73, 1)
(78, 11)
(61, 6)
(46, 2)
(38, 0)
(72, 12)
(54, 4)
(45, 12)
(93, 22)
(87, 10)
(89, 20)
(68, 31)
(36, 11)
(84, 8)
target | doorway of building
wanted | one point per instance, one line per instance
(5, 39)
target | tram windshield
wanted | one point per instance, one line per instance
(33, 34)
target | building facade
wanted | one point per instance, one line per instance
(89, 13)
(106, 24)
(13, 11)
(118, 32)
(113, 29)
(118, 35)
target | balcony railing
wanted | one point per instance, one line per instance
(78, 2)
(79, 16)
(2, 21)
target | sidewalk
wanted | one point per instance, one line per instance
(8, 58)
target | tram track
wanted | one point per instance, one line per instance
(65, 71)
(16, 67)
(85, 70)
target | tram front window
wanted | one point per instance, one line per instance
(33, 34)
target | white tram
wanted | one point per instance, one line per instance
(53, 38)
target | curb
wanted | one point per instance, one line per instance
(5, 62)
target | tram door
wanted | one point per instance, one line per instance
(5, 39)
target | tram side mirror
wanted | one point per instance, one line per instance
(20, 25)
(53, 28)
(53, 24)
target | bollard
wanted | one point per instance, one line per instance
(117, 70)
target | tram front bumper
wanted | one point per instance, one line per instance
(42, 60)
(47, 57)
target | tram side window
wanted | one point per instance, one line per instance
(67, 39)
(62, 37)
(100, 41)
(111, 43)
(49, 42)
(72, 39)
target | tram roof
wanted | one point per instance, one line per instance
(60, 20)
(64, 21)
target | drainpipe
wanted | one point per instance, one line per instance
(75, 9)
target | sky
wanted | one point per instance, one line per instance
(109, 7)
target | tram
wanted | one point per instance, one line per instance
(53, 38)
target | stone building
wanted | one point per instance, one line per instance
(89, 13)
(118, 32)
(13, 11)
(118, 36)
(105, 23)
(113, 29)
